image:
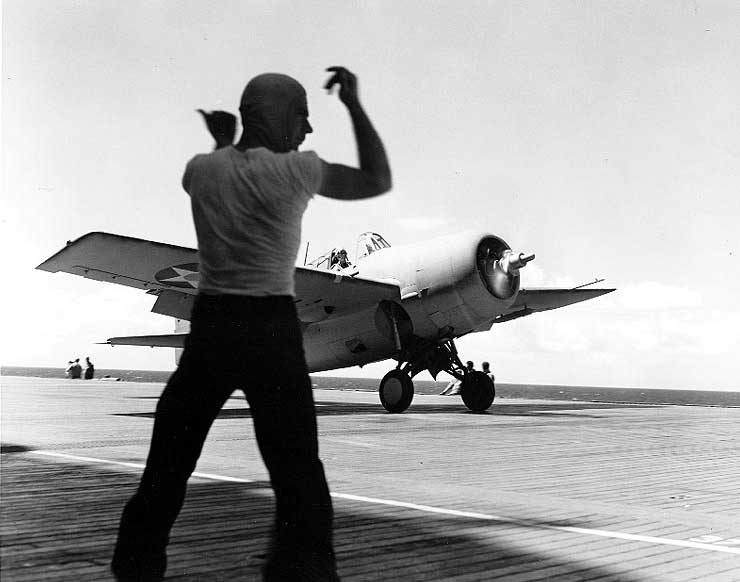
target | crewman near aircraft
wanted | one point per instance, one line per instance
(248, 201)
(487, 371)
(74, 370)
(89, 369)
(453, 388)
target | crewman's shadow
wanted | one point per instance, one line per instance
(550, 409)
(223, 532)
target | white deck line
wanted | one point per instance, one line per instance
(440, 510)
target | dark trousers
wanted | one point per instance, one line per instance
(253, 344)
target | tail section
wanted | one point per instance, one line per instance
(181, 326)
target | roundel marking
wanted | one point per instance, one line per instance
(186, 276)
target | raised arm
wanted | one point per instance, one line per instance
(221, 125)
(373, 177)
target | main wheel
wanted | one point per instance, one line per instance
(477, 391)
(396, 391)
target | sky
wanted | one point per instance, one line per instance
(603, 136)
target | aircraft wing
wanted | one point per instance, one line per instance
(531, 301)
(171, 273)
(546, 299)
(321, 294)
(170, 340)
(129, 261)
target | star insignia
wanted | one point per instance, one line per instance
(186, 276)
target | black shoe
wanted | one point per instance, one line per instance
(129, 567)
(297, 567)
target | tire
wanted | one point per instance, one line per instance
(477, 391)
(396, 391)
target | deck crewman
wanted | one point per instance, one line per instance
(248, 201)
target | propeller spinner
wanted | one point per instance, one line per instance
(499, 267)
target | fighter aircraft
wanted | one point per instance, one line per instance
(408, 303)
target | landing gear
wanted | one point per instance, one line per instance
(417, 355)
(396, 391)
(477, 391)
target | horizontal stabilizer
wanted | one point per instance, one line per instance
(168, 340)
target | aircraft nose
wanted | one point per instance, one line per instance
(499, 268)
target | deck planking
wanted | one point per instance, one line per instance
(533, 490)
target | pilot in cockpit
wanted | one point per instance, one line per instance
(339, 260)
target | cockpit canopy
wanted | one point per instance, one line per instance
(368, 243)
(338, 258)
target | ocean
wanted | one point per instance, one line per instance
(529, 391)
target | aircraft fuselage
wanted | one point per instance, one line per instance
(443, 295)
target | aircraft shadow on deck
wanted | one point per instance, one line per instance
(224, 529)
(551, 410)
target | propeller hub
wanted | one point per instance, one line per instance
(498, 267)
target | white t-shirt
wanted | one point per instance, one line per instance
(247, 208)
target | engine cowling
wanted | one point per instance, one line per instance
(453, 283)
(498, 267)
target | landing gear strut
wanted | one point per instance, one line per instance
(397, 388)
